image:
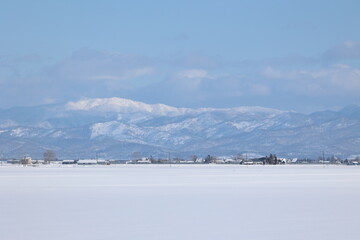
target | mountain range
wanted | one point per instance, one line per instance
(116, 128)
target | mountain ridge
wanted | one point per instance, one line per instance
(100, 125)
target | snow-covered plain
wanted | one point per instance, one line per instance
(180, 202)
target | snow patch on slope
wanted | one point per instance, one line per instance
(124, 106)
(121, 105)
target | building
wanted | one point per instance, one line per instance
(68, 162)
(26, 161)
(87, 162)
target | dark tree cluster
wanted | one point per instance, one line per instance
(49, 156)
(272, 160)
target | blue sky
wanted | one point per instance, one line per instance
(291, 55)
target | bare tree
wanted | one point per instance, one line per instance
(49, 155)
(194, 158)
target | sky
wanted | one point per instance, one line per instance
(290, 55)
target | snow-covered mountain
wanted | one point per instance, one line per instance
(116, 127)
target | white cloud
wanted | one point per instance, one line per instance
(270, 72)
(105, 77)
(339, 79)
(143, 71)
(193, 73)
(196, 61)
(344, 51)
(260, 89)
(87, 64)
(126, 75)
(183, 81)
(49, 100)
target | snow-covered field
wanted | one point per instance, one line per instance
(180, 202)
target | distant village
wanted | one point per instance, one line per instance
(49, 157)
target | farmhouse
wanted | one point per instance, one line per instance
(87, 162)
(68, 162)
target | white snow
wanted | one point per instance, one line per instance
(18, 132)
(246, 126)
(125, 105)
(117, 130)
(22, 132)
(179, 202)
(3, 131)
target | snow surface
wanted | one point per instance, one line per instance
(179, 202)
(126, 105)
(123, 105)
